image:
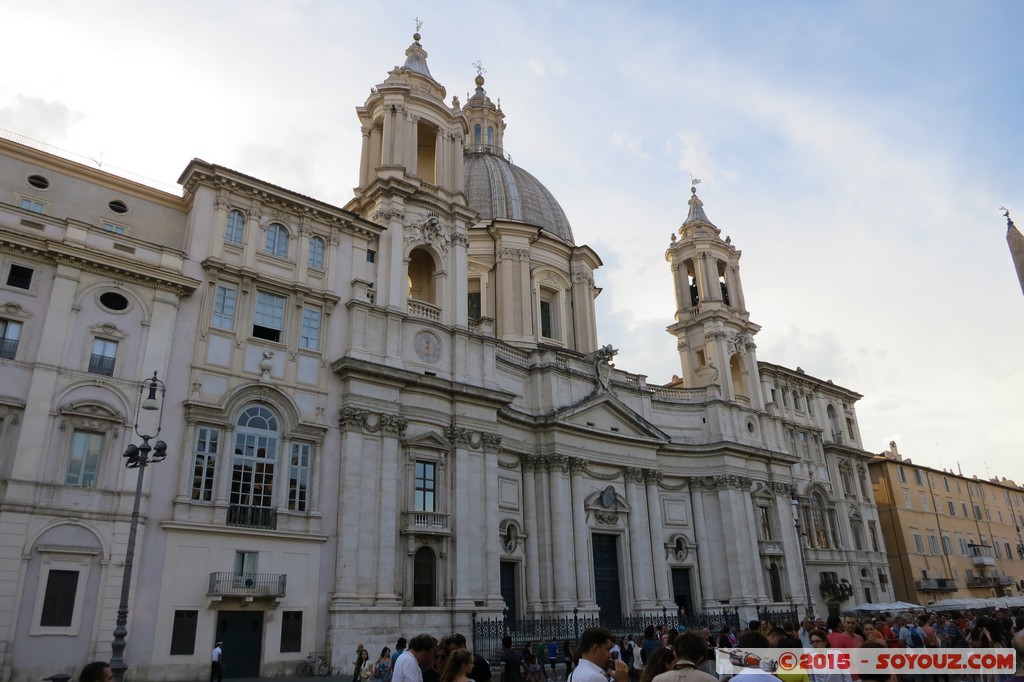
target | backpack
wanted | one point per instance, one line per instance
(915, 637)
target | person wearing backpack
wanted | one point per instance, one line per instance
(911, 635)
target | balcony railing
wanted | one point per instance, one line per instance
(252, 517)
(228, 584)
(8, 348)
(425, 310)
(426, 522)
(983, 560)
(101, 364)
(984, 581)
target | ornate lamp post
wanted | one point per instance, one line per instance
(808, 604)
(137, 457)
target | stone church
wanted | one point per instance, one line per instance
(385, 417)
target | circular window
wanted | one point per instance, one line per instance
(118, 206)
(39, 182)
(113, 301)
(750, 427)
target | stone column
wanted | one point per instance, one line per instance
(255, 239)
(700, 532)
(532, 545)
(364, 157)
(492, 553)
(220, 222)
(390, 579)
(561, 535)
(736, 290)
(639, 539)
(663, 592)
(738, 546)
(581, 537)
(545, 527)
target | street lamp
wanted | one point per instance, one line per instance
(137, 457)
(803, 557)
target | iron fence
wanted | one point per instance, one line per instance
(567, 627)
(779, 616)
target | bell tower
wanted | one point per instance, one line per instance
(411, 181)
(713, 328)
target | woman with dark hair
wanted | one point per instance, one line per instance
(383, 664)
(358, 675)
(657, 663)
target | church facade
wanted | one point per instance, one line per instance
(386, 417)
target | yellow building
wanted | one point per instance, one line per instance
(948, 535)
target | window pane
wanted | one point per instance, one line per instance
(235, 228)
(10, 334)
(254, 461)
(104, 354)
(277, 240)
(316, 253)
(224, 307)
(310, 337)
(205, 464)
(298, 477)
(268, 320)
(291, 631)
(84, 460)
(425, 487)
(59, 599)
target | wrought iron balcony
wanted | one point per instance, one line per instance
(8, 348)
(101, 364)
(984, 581)
(252, 517)
(228, 584)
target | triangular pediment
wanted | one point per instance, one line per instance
(429, 441)
(607, 414)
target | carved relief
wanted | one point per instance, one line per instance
(734, 481)
(474, 439)
(371, 422)
(781, 489)
(507, 253)
(606, 518)
(635, 474)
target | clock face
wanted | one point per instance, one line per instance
(427, 346)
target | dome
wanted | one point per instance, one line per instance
(496, 188)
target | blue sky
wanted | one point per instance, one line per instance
(855, 152)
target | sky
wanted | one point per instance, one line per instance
(857, 153)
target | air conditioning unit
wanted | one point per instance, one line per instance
(926, 574)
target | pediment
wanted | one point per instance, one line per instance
(430, 440)
(606, 414)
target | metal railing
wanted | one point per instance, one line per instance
(228, 584)
(8, 348)
(778, 616)
(252, 517)
(101, 364)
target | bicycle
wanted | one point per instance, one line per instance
(316, 663)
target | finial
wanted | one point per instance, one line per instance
(419, 25)
(693, 184)
(479, 66)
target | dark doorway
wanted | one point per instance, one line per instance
(681, 589)
(775, 580)
(606, 578)
(242, 634)
(508, 589)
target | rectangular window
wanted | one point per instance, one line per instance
(810, 404)
(918, 477)
(246, 563)
(59, 599)
(298, 477)
(906, 499)
(310, 336)
(205, 463)
(924, 502)
(269, 317)
(952, 507)
(20, 277)
(104, 355)
(116, 229)
(902, 474)
(919, 543)
(977, 512)
(933, 543)
(997, 549)
(224, 307)
(10, 334)
(183, 633)
(1009, 554)
(291, 631)
(32, 205)
(545, 319)
(947, 545)
(945, 483)
(426, 487)
(371, 256)
(473, 304)
(764, 517)
(963, 546)
(963, 507)
(874, 536)
(85, 459)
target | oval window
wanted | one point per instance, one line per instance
(118, 206)
(113, 301)
(39, 182)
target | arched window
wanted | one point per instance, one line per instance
(421, 276)
(490, 135)
(476, 134)
(723, 283)
(833, 422)
(253, 467)
(316, 253)
(235, 230)
(277, 240)
(736, 370)
(424, 578)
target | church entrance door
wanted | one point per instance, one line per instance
(606, 578)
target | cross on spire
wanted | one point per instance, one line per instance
(479, 66)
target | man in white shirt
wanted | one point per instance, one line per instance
(416, 654)
(215, 660)
(595, 653)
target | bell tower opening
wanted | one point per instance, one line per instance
(421, 276)
(426, 151)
